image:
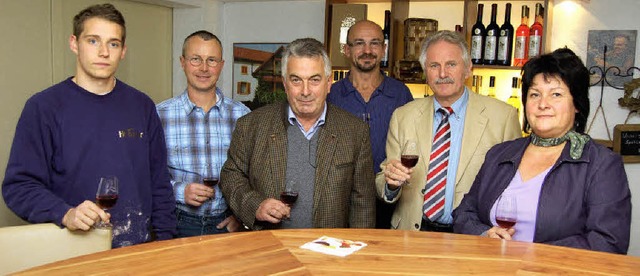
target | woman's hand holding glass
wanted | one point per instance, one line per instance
(506, 217)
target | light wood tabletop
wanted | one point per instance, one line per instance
(388, 252)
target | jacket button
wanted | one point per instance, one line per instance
(417, 226)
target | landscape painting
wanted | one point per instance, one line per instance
(256, 73)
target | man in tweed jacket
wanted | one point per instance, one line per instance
(306, 144)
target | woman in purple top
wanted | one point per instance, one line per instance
(570, 191)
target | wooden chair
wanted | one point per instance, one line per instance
(26, 246)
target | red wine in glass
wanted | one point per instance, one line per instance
(409, 156)
(106, 197)
(210, 181)
(506, 211)
(409, 161)
(289, 197)
(505, 223)
(105, 202)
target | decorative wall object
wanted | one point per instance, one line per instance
(256, 66)
(621, 45)
(343, 16)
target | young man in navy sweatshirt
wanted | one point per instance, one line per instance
(89, 126)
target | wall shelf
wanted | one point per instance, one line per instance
(400, 11)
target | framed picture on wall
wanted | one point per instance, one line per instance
(619, 58)
(256, 67)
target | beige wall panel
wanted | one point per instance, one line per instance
(147, 64)
(25, 59)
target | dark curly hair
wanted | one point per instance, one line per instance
(566, 66)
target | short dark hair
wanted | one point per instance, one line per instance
(104, 11)
(565, 65)
(201, 34)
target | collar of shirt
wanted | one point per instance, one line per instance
(308, 134)
(349, 88)
(190, 106)
(459, 107)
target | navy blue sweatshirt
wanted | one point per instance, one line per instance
(67, 138)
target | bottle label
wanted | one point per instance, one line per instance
(518, 52)
(534, 45)
(503, 47)
(490, 48)
(476, 47)
(386, 49)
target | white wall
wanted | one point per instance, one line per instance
(269, 22)
(237, 21)
(202, 15)
(571, 22)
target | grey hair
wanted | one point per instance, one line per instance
(305, 47)
(448, 36)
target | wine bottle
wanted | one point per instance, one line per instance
(521, 51)
(459, 29)
(505, 39)
(477, 38)
(492, 87)
(476, 84)
(384, 62)
(491, 38)
(535, 33)
(514, 100)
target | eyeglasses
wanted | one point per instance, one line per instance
(359, 44)
(211, 62)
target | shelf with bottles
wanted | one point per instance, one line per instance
(503, 85)
(529, 23)
(448, 14)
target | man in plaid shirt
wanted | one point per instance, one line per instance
(198, 125)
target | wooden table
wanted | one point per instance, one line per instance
(388, 252)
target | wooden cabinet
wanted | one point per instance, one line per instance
(403, 9)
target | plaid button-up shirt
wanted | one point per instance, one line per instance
(197, 144)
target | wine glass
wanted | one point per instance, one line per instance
(506, 211)
(106, 197)
(410, 155)
(289, 196)
(211, 179)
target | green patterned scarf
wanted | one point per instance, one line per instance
(577, 142)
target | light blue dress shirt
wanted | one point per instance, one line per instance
(293, 120)
(456, 122)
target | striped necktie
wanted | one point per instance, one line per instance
(433, 206)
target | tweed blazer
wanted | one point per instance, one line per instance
(344, 193)
(487, 122)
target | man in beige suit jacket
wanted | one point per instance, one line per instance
(477, 123)
(335, 181)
